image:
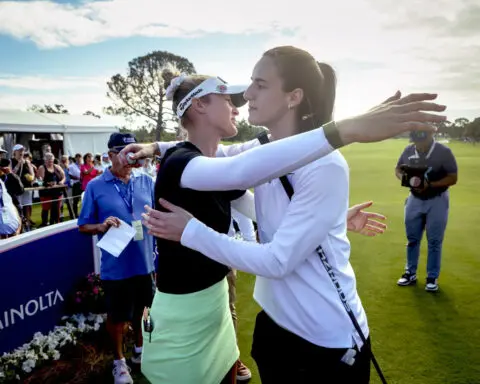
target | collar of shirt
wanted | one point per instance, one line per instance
(109, 176)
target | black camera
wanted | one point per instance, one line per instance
(413, 175)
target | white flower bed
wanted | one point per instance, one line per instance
(45, 347)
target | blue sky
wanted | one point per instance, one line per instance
(64, 51)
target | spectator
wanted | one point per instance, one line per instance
(87, 170)
(12, 183)
(74, 170)
(24, 169)
(106, 163)
(97, 163)
(117, 195)
(3, 153)
(10, 223)
(242, 225)
(64, 164)
(52, 175)
(427, 205)
(147, 168)
(28, 156)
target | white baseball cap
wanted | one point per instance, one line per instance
(212, 85)
(18, 147)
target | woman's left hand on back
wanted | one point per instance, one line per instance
(365, 223)
(166, 225)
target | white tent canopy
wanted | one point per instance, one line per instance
(81, 133)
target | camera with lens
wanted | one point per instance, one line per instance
(413, 175)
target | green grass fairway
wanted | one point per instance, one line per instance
(418, 337)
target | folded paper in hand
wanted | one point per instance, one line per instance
(116, 239)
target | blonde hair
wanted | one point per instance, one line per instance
(180, 86)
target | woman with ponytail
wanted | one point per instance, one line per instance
(303, 323)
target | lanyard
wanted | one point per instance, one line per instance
(429, 153)
(129, 204)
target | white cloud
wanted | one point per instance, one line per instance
(46, 83)
(377, 46)
(77, 102)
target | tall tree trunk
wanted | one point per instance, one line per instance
(159, 128)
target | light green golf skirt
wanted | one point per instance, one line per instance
(193, 340)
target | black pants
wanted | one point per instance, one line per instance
(77, 192)
(283, 357)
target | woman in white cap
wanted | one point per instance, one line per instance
(302, 322)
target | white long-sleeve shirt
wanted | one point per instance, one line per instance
(245, 225)
(256, 165)
(292, 286)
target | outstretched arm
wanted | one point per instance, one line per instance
(235, 149)
(389, 119)
(257, 165)
(222, 151)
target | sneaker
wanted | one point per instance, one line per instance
(121, 372)
(407, 279)
(432, 284)
(136, 357)
(243, 373)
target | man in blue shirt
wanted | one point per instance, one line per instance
(427, 205)
(128, 282)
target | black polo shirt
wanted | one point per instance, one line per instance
(181, 270)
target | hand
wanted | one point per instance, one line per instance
(395, 97)
(391, 118)
(110, 221)
(422, 188)
(140, 151)
(166, 225)
(364, 222)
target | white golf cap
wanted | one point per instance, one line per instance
(2, 150)
(18, 147)
(217, 86)
(105, 155)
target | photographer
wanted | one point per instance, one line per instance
(428, 168)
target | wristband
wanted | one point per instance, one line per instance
(333, 135)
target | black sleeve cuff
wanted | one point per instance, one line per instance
(332, 135)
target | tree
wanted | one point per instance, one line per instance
(457, 128)
(472, 130)
(55, 108)
(90, 113)
(141, 92)
(146, 135)
(246, 131)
